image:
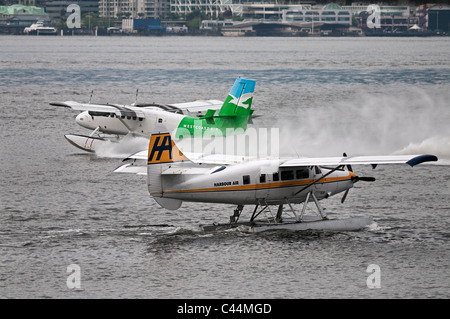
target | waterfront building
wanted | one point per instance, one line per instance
(328, 14)
(215, 25)
(134, 8)
(264, 9)
(14, 18)
(144, 26)
(208, 6)
(118, 8)
(438, 18)
(392, 18)
(154, 8)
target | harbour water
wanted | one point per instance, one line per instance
(61, 207)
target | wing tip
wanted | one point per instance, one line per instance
(58, 104)
(421, 159)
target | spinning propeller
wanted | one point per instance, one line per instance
(355, 179)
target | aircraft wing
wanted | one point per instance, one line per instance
(119, 110)
(194, 108)
(411, 160)
(86, 106)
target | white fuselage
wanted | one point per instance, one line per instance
(252, 183)
(132, 124)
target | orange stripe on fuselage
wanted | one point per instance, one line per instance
(262, 186)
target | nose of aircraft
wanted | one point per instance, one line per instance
(83, 119)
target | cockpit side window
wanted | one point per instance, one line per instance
(276, 177)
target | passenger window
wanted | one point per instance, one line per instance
(276, 177)
(287, 175)
(302, 173)
(262, 178)
(246, 179)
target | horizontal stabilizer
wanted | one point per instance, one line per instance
(200, 158)
(141, 155)
(198, 106)
(209, 114)
(131, 169)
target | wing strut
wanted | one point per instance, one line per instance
(319, 179)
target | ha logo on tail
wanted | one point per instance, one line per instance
(162, 149)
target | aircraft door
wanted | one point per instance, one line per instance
(319, 188)
(262, 192)
(265, 189)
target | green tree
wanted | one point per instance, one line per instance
(194, 24)
(194, 19)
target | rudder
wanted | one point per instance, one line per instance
(239, 99)
(162, 152)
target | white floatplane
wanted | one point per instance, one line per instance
(110, 121)
(173, 178)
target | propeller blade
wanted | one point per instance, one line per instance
(367, 179)
(345, 196)
(364, 179)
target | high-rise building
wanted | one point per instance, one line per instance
(134, 8)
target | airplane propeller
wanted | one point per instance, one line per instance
(355, 179)
(364, 179)
(345, 196)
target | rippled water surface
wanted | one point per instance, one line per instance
(60, 206)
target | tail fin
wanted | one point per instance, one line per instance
(235, 113)
(239, 100)
(162, 149)
(162, 152)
